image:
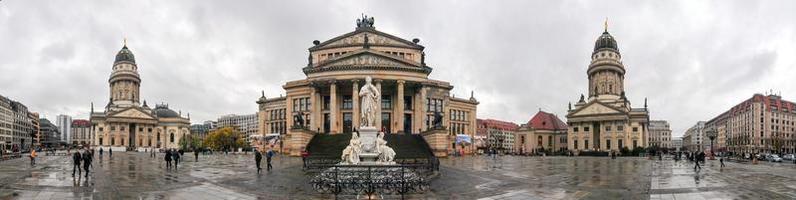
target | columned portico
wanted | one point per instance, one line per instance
(334, 76)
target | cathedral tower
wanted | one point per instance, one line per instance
(124, 81)
(606, 72)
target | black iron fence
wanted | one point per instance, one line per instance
(371, 180)
(427, 166)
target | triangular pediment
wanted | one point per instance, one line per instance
(133, 113)
(370, 58)
(595, 108)
(375, 38)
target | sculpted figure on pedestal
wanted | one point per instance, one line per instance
(386, 154)
(370, 100)
(351, 152)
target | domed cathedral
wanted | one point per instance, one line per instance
(605, 121)
(126, 124)
(327, 100)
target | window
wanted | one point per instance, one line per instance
(386, 102)
(575, 129)
(635, 129)
(348, 102)
(586, 129)
(171, 138)
(539, 141)
(620, 128)
(434, 105)
(550, 141)
(608, 144)
(621, 144)
(586, 144)
(100, 129)
(575, 142)
(608, 128)
(113, 128)
(407, 102)
(326, 102)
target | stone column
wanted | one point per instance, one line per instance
(399, 108)
(313, 113)
(317, 109)
(333, 107)
(378, 104)
(355, 99)
(423, 103)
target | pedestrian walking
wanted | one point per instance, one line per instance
(721, 160)
(110, 152)
(167, 158)
(176, 157)
(304, 155)
(32, 157)
(696, 161)
(196, 155)
(257, 158)
(268, 156)
(100, 152)
(76, 158)
(86, 162)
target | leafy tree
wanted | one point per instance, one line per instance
(190, 142)
(225, 138)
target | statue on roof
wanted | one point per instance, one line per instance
(365, 22)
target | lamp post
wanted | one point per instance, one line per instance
(711, 133)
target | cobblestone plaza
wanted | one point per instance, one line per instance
(138, 176)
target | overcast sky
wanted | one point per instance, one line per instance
(692, 59)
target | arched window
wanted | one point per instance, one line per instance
(171, 138)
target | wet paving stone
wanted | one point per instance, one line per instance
(139, 176)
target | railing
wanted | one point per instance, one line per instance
(370, 180)
(427, 166)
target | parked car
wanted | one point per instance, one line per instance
(788, 157)
(773, 158)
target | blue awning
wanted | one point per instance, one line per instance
(463, 139)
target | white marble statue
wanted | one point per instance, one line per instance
(370, 100)
(386, 154)
(351, 152)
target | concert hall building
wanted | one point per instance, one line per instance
(326, 101)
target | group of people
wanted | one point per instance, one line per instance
(259, 157)
(84, 157)
(172, 155)
(697, 157)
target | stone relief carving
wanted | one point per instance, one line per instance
(372, 39)
(366, 60)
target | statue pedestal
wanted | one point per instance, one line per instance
(367, 135)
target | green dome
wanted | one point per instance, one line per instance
(606, 41)
(125, 55)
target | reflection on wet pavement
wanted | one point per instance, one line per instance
(138, 176)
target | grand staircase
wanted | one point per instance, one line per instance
(328, 145)
(406, 146)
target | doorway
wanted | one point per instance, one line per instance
(408, 123)
(326, 123)
(131, 142)
(596, 139)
